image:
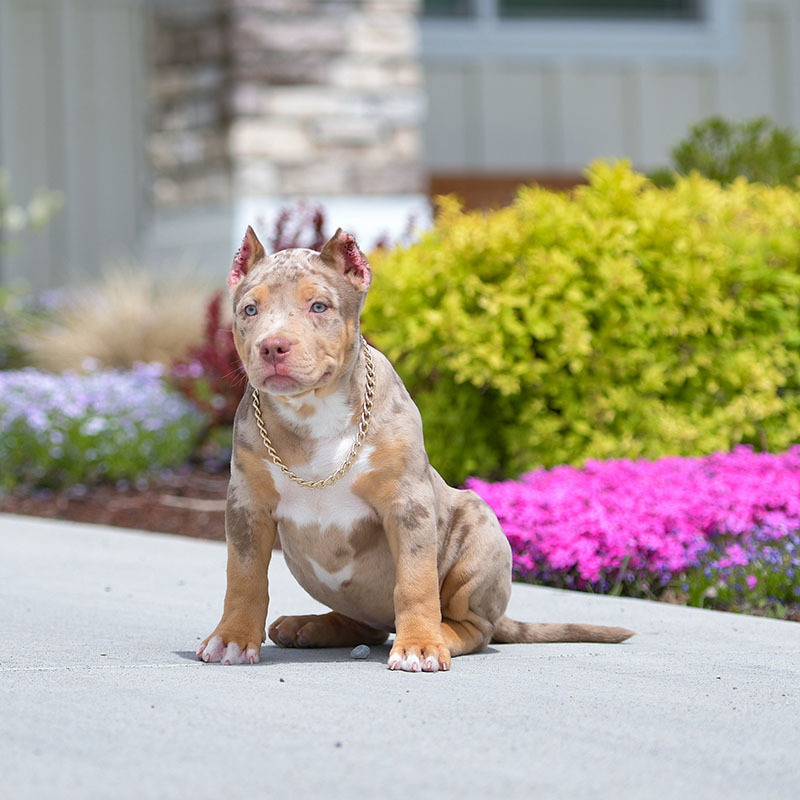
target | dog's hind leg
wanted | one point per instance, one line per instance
(463, 637)
(323, 630)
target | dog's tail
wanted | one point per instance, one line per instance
(509, 631)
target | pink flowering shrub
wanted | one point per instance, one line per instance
(712, 526)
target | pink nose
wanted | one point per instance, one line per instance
(275, 349)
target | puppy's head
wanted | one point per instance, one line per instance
(295, 313)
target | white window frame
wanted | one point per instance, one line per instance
(714, 38)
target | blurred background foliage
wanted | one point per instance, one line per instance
(622, 320)
(625, 318)
(722, 150)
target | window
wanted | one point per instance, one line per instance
(621, 9)
(606, 30)
(599, 9)
(448, 8)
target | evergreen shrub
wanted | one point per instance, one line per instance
(620, 321)
(756, 149)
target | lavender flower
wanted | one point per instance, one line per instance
(70, 428)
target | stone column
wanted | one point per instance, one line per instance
(256, 103)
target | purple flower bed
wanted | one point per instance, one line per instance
(61, 430)
(717, 528)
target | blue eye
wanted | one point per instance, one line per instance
(251, 310)
(318, 308)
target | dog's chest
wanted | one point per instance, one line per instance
(332, 541)
(334, 506)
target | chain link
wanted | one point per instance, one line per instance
(363, 427)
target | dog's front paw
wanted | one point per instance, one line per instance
(419, 655)
(229, 649)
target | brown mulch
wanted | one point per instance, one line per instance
(190, 503)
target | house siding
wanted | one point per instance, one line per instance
(558, 114)
(72, 120)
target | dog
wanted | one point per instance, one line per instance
(328, 453)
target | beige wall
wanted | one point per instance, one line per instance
(72, 119)
(558, 112)
(168, 125)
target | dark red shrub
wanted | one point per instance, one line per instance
(301, 225)
(212, 376)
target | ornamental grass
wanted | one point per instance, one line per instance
(130, 316)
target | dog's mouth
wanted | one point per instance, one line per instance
(276, 379)
(281, 384)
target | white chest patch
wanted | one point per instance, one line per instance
(334, 505)
(333, 580)
(329, 416)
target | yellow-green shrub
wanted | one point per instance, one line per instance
(623, 320)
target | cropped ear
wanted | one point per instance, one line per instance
(247, 255)
(342, 254)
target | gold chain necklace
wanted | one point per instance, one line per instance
(363, 427)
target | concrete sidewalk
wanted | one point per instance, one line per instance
(101, 695)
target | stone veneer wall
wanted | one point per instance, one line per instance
(189, 86)
(257, 98)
